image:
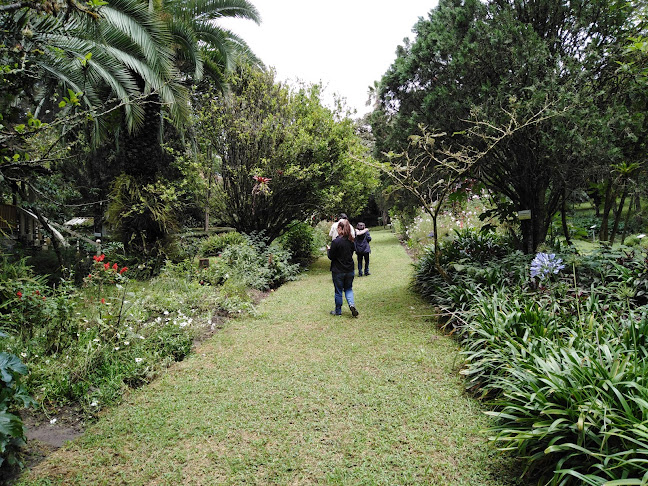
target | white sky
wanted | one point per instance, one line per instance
(346, 45)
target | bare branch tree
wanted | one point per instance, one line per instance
(430, 170)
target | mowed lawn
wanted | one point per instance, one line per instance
(296, 396)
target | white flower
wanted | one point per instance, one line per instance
(96, 340)
(642, 235)
(166, 313)
(126, 343)
(116, 348)
(138, 360)
(53, 421)
(94, 404)
(24, 355)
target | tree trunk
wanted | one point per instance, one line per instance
(617, 218)
(603, 234)
(534, 230)
(563, 217)
(626, 221)
(206, 227)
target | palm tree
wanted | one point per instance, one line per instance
(201, 49)
(96, 59)
(201, 46)
(95, 55)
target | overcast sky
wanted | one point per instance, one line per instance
(347, 45)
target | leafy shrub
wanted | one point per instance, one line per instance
(29, 307)
(472, 260)
(579, 413)
(300, 240)
(562, 362)
(215, 244)
(322, 233)
(252, 264)
(13, 396)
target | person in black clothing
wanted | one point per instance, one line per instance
(342, 267)
(362, 248)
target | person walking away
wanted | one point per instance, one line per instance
(333, 233)
(362, 248)
(340, 252)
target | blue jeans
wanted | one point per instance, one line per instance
(343, 283)
(365, 257)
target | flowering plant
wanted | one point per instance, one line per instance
(545, 264)
(104, 272)
(262, 184)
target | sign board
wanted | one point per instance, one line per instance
(524, 214)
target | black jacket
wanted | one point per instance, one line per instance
(362, 243)
(341, 255)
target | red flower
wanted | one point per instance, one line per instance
(89, 275)
(99, 258)
(19, 294)
(37, 292)
(115, 266)
(106, 266)
(103, 301)
(261, 180)
(121, 272)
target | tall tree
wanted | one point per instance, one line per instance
(201, 51)
(280, 152)
(65, 68)
(474, 62)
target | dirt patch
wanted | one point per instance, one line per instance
(45, 434)
(55, 429)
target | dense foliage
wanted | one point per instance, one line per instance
(282, 155)
(557, 348)
(87, 345)
(480, 70)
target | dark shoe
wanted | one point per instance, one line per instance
(367, 273)
(359, 274)
(354, 311)
(334, 314)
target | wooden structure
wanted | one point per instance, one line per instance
(16, 224)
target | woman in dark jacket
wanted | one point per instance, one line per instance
(362, 248)
(342, 267)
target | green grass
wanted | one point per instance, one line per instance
(296, 396)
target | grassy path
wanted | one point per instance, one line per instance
(296, 396)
